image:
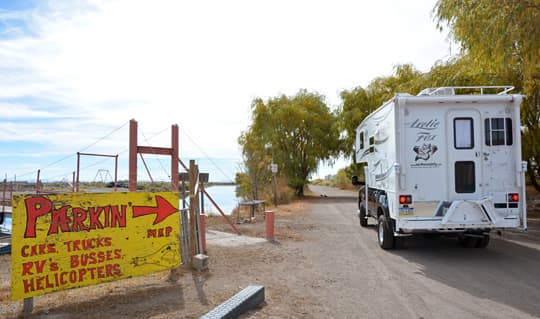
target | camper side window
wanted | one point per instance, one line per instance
(463, 133)
(498, 131)
(372, 144)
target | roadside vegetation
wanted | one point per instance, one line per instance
(500, 45)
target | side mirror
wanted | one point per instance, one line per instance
(356, 182)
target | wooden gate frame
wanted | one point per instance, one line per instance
(135, 149)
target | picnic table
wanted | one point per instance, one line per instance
(253, 205)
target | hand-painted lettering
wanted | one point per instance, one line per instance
(35, 207)
(87, 244)
(94, 258)
(72, 277)
(79, 216)
(160, 232)
(72, 219)
(64, 241)
(60, 218)
(28, 267)
(39, 249)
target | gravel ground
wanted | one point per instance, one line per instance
(322, 264)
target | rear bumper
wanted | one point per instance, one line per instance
(422, 225)
(461, 216)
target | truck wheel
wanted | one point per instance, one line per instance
(363, 217)
(399, 242)
(468, 241)
(385, 233)
(483, 242)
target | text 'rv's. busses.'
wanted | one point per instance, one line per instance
(447, 161)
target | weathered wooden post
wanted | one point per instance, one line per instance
(133, 155)
(193, 203)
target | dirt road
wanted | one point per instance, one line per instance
(323, 265)
(429, 279)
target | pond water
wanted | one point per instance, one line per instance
(224, 196)
(5, 227)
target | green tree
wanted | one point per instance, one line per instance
(354, 108)
(502, 38)
(256, 177)
(297, 132)
(359, 103)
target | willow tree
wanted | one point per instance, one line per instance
(503, 39)
(255, 180)
(297, 132)
(360, 102)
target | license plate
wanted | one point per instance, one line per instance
(406, 211)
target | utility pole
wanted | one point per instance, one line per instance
(274, 169)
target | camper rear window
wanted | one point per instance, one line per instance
(464, 177)
(498, 131)
(361, 138)
(463, 133)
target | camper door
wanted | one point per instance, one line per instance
(464, 154)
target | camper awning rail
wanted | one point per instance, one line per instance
(456, 99)
(467, 90)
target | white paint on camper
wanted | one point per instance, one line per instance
(457, 155)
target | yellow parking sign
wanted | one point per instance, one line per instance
(74, 240)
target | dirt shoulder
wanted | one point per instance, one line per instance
(319, 266)
(192, 294)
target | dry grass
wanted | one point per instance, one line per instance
(257, 226)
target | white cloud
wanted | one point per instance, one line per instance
(19, 110)
(196, 63)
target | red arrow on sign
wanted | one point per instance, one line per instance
(163, 210)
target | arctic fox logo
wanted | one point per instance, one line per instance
(425, 151)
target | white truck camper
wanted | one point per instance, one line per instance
(443, 162)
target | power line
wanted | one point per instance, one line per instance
(160, 164)
(104, 137)
(208, 157)
(71, 155)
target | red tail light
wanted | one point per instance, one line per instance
(513, 197)
(405, 199)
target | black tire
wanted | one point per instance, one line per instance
(483, 242)
(399, 242)
(468, 241)
(385, 233)
(363, 217)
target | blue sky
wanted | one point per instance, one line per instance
(74, 72)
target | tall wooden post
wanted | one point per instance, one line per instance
(78, 172)
(132, 156)
(37, 181)
(135, 149)
(174, 157)
(4, 201)
(193, 202)
(202, 221)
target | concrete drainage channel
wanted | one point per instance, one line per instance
(246, 299)
(218, 238)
